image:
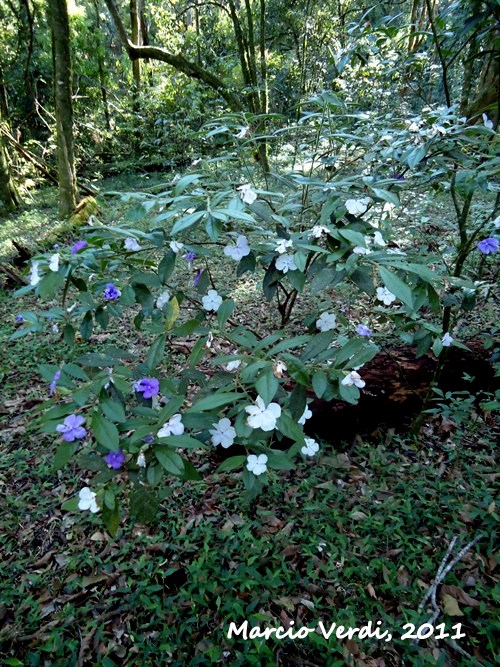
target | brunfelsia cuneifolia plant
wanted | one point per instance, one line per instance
(118, 412)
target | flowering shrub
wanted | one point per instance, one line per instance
(310, 235)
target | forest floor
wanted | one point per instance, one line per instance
(358, 534)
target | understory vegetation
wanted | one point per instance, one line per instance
(250, 312)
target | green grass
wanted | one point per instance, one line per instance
(349, 537)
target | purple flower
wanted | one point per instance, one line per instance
(149, 439)
(148, 387)
(52, 386)
(190, 256)
(115, 460)
(79, 245)
(363, 330)
(56, 246)
(197, 277)
(487, 246)
(72, 428)
(111, 292)
(19, 318)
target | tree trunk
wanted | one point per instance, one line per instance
(9, 197)
(488, 89)
(59, 25)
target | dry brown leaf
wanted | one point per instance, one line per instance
(451, 606)
(371, 591)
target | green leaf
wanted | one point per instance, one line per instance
(319, 383)
(356, 238)
(279, 460)
(395, 285)
(348, 350)
(183, 442)
(144, 504)
(225, 311)
(166, 266)
(267, 385)
(105, 432)
(69, 334)
(290, 428)
(187, 221)
(297, 402)
(213, 227)
(71, 505)
(349, 394)
(415, 156)
(232, 463)
(113, 410)
(171, 312)
(87, 326)
(64, 452)
(76, 372)
(216, 401)
(387, 195)
(318, 344)
(170, 460)
(111, 518)
(50, 284)
(156, 351)
(247, 263)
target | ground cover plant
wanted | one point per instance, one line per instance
(252, 381)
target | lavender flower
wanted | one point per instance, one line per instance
(52, 386)
(363, 330)
(79, 245)
(148, 387)
(190, 256)
(72, 428)
(197, 277)
(115, 460)
(111, 292)
(19, 318)
(487, 246)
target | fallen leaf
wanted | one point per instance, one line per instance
(451, 606)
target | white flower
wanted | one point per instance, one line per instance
(257, 464)
(384, 295)
(487, 122)
(239, 250)
(262, 417)
(395, 251)
(357, 206)
(353, 378)
(141, 460)
(447, 340)
(283, 245)
(279, 368)
(176, 246)
(210, 340)
(88, 500)
(223, 433)
(54, 262)
(496, 222)
(326, 321)
(378, 239)
(212, 300)
(286, 263)
(307, 414)
(359, 250)
(55, 329)
(310, 448)
(35, 277)
(242, 133)
(247, 194)
(233, 365)
(174, 426)
(318, 230)
(413, 127)
(163, 299)
(131, 244)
